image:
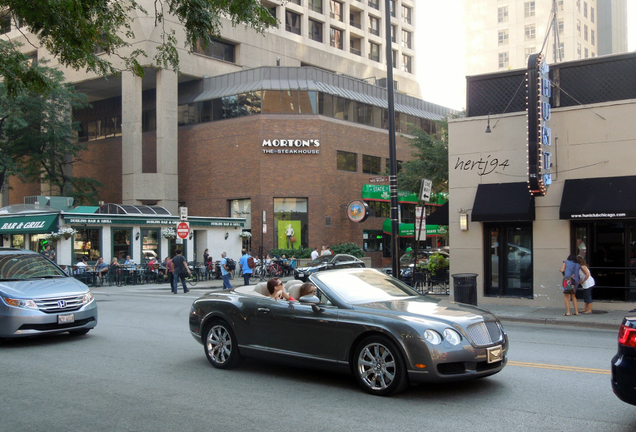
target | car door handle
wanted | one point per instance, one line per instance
(263, 310)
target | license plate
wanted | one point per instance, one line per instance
(66, 318)
(495, 354)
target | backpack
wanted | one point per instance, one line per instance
(230, 264)
(250, 263)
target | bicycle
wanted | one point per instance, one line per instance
(192, 279)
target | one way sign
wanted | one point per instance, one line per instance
(425, 190)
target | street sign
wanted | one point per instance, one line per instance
(425, 190)
(420, 224)
(183, 230)
(184, 213)
(381, 179)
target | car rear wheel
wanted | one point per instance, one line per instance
(221, 347)
(379, 367)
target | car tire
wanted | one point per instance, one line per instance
(379, 367)
(221, 347)
(80, 332)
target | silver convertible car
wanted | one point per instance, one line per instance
(361, 321)
(37, 297)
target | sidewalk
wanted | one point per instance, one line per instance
(602, 319)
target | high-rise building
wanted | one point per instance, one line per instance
(501, 34)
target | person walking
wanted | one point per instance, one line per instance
(225, 273)
(314, 254)
(245, 267)
(570, 270)
(180, 270)
(587, 282)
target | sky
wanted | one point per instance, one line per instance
(440, 48)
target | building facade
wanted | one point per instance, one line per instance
(515, 241)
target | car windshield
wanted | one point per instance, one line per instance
(319, 260)
(21, 266)
(366, 286)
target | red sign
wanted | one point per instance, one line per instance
(183, 230)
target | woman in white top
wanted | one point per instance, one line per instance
(587, 282)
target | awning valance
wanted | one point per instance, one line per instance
(408, 229)
(381, 193)
(500, 202)
(599, 198)
(31, 224)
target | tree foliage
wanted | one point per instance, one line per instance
(430, 160)
(75, 31)
(38, 140)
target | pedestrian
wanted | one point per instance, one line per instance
(48, 252)
(225, 273)
(329, 251)
(245, 266)
(587, 282)
(324, 251)
(570, 270)
(180, 270)
(314, 254)
(169, 270)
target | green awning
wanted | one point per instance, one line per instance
(381, 193)
(84, 209)
(32, 224)
(408, 229)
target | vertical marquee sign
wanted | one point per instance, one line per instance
(539, 133)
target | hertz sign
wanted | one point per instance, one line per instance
(539, 132)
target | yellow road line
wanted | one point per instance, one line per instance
(558, 367)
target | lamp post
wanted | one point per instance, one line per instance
(393, 187)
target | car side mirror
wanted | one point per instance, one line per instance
(312, 300)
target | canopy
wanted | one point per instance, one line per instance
(500, 202)
(31, 224)
(599, 198)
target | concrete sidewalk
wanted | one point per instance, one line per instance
(540, 315)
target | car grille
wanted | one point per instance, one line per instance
(60, 304)
(485, 333)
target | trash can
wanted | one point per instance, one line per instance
(465, 287)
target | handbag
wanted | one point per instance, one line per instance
(568, 285)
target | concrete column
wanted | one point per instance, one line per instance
(131, 135)
(167, 138)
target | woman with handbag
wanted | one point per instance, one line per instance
(570, 270)
(587, 282)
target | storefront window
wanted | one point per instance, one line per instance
(150, 244)
(372, 241)
(37, 243)
(121, 243)
(242, 209)
(86, 244)
(17, 241)
(508, 262)
(291, 223)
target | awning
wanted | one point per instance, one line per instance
(381, 193)
(503, 202)
(31, 224)
(599, 198)
(83, 209)
(408, 229)
(439, 216)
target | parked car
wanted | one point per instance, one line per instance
(38, 297)
(360, 321)
(624, 362)
(327, 262)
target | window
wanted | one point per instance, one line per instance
(578, 50)
(561, 53)
(503, 60)
(502, 36)
(585, 9)
(370, 164)
(592, 37)
(315, 30)
(529, 51)
(379, 209)
(388, 165)
(530, 32)
(121, 243)
(355, 46)
(291, 211)
(585, 31)
(394, 58)
(217, 49)
(295, 2)
(502, 14)
(346, 161)
(374, 51)
(372, 239)
(406, 14)
(578, 6)
(578, 27)
(560, 4)
(292, 22)
(407, 62)
(315, 5)
(393, 34)
(592, 14)
(336, 38)
(393, 7)
(336, 10)
(374, 25)
(150, 241)
(508, 263)
(374, 4)
(586, 53)
(406, 39)
(355, 19)
(528, 9)
(560, 26)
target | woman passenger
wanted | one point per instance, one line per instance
(276, 291)
(307, 289)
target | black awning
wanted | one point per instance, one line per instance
(503, 202)
(439, 216)
(599, 198)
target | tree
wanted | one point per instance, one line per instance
(74, 31)
(38, 141)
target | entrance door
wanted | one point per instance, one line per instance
(508, 265)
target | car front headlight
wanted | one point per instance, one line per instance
(21, 303)
(452, 337)
(431, 336)
(87, 298)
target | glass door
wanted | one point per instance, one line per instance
(508, 265)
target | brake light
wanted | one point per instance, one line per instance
(627, 336)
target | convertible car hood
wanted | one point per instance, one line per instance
(430, 308)
(41, 288)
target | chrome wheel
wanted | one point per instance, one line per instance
(221, 347)
(376, 366)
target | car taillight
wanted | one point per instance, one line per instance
(627, 336)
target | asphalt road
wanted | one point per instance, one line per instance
(140, 370)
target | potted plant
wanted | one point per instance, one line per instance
(168, 233)
(435, 264)
(246, 234)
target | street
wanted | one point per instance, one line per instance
(140, 370)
